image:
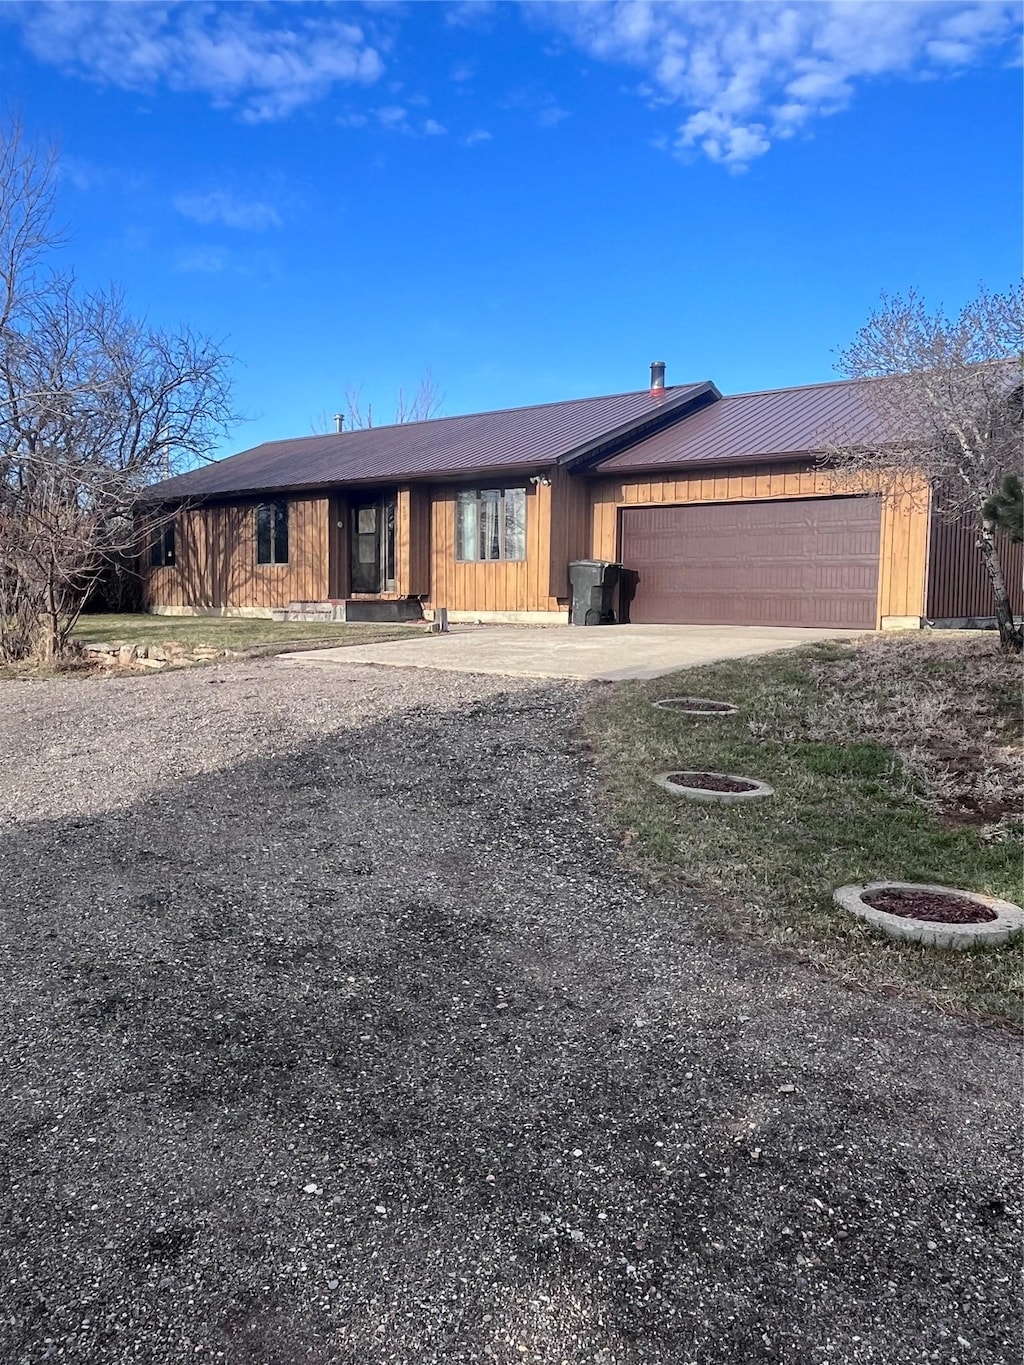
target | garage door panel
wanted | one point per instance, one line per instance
(811, 562)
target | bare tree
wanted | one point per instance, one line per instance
(95, 405)
(425, 402)
(947, 403)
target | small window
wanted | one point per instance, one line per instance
(272, 532)
(490, 523)
(161, 546)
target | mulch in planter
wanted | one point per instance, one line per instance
(712, 782)
(936, 906)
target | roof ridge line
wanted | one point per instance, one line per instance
(798, 388)
(487, 412)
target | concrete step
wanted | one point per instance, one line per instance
(352, 609)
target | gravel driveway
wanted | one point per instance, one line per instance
(334, 1031)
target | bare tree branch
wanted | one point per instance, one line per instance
(426, 402)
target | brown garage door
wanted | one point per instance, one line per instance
(808, 562)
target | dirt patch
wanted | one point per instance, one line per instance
(934, 906)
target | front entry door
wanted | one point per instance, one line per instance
(373, 545)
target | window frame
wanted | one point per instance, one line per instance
(163, 545)
(479, 501)
(277, 511)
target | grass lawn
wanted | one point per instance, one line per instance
(226, 632)
(895, 756)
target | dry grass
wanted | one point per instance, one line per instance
(248, 636)
(227, 632)
(946, 704)
(897, 756)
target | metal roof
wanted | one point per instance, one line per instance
(750, 426)
(513, 440)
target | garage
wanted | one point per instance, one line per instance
(794, 562)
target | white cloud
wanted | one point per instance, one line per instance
(434, 129)
(220, 206)
(540, 105)
(470, 13)
(477, 136)
(266, 61)
(203, 260)
(552, 115)
(748, 73)
(81, 173)
(393, 117)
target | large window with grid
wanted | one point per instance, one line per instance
(490, 523)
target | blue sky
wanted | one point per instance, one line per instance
(532, 200)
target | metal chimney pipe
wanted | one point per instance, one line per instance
(657, 374)
(339, 421)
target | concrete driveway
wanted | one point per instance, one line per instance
(596, 653)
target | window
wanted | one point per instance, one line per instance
(161, 546)
(490, 523)
(272, 532)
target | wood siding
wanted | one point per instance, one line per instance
(496, 586)
(216, 569)
(568, 518)
(412, 542)
(902, 565)
(570, 528)
(338, 557)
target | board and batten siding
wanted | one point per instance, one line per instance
(216, 570)
(904, 527)
(533, 584)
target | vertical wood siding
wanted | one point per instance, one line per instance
(570, 533)
(522, 585)
(216, 569)
(904, 531)
(337, 546)
(567, 519)
(412, 542)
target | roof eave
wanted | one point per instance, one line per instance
(714, 462)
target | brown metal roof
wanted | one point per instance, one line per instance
(749, 426)
(513, 440)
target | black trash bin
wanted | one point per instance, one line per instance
(593, 583)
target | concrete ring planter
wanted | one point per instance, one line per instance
(1007, 924)
(672, 783)
(696, 706)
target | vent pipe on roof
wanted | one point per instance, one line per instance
(657, 374)
(339, 421)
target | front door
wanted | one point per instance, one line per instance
(373, 544)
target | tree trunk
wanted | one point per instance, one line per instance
(1010, 635)
(52, 643)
